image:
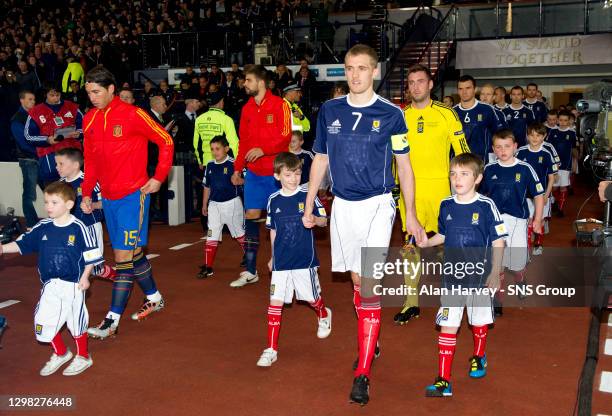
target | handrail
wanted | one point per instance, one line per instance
(426, 49)
(141, 75)
(409, 23)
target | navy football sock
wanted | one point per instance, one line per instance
(143, 274)
(122, 286)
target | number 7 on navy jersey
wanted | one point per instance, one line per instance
(358, 114)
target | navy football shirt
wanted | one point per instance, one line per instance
(540, 160)
(306, 157)
(540, 112)
(360, 141)
(63, 250)
(469, 229)
(479, 123)
(96, 214)
(218, 178)
(518, 119)
(563, 141)
(510, 185)
(294, 246)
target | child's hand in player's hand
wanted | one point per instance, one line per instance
(537, 225)
(204, 210)
(86, 205)
(237, 179)
(84, 283)
(270, 264)
(308, 220)
(424, 242)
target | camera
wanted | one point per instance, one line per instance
(11, 229)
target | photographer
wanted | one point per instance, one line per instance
(605, 191)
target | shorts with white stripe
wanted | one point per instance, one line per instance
(230, 213)
(60, 303)
(516, 253)
(95, 230)
(360, 224)
(304, 282)
(479, 310)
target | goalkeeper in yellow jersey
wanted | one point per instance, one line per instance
(432, 129)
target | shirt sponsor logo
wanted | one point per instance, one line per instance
(117, 131)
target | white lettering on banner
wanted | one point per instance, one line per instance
(549, 51)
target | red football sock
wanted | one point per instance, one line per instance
(356, 298)
(369, 326)
(242, 241)
(274, 324)
(81, 344)
(210, 250)
(108, 272)
(499, 294)
(519, 276)
(480, 339)
(562, 198)
(529, 235)
(539, 239)
(446, 352)
(319, 308)
(58, 344)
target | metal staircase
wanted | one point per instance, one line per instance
(430, 43)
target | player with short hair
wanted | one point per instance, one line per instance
(472, 231)
(69, 162)
(265, 131)
(294, 261)
(508, 182)
(357, 137)
(518, 116)
(543, 162)
(116, 140)
(479, 120)
(500, 98)
(540, 112)
(565, 141)
(295, 147)
(433, 129)
(221, 203)
(66, 255)
(487, 96)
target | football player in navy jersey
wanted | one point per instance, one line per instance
(479, 120)
(487, 96)
(508, 182)
(543, 162)
(470, 223)
(294, 261)
(565, 142)
(540, 112)
(518, 117)
(295, 147)
(500, 98)
(221, 203)
(357, 137)
(66, 255)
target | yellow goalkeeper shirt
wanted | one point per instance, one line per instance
(431, 133)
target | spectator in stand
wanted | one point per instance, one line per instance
(282, 76)
(126, 95)
(202, 88)
(306, 80)
(74, 72)
(203, 71)
(236, 71)
(26, 78)
(189, 75)
(149, 92)
(216, 75)
(166, 92)
(77, 96)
